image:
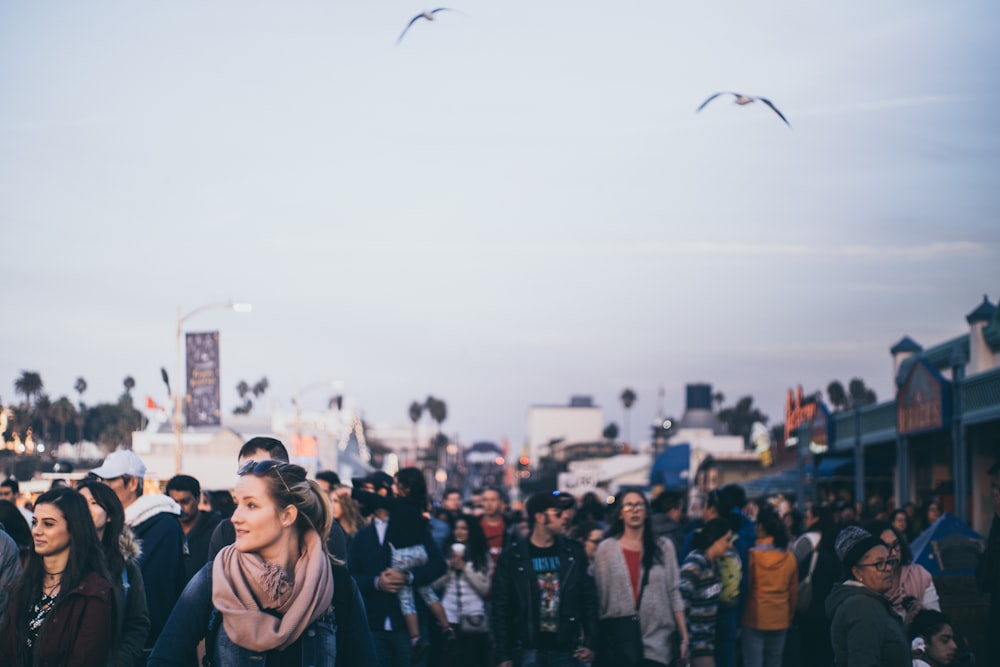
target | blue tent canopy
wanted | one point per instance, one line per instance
(951, 540)
(672, 467)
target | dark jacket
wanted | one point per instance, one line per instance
(340, 638)
(515, 604)
(75, 633)
(368, 559)
(154, 523)
(864, 629)
(196, 542)
(131, 612)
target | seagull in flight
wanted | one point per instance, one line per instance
(428, 14)
(742, 99)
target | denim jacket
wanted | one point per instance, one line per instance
(194, 618)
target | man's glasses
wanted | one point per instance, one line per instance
(633, 507)
(882, 565)
(262, 468)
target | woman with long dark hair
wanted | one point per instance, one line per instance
(268, 598)
(637, 575)
(121, 552)
(465, 588)
(60, 611)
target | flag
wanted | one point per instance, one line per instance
(151, 404)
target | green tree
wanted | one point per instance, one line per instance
(857, 395)
(416, 412)
(437, 409)
(63, 412)
(838, 397)
(43, 408)
(741, 417)
(260, 387)
(129, 383)
(628, 399)
(611, 432)
(80, 386)
(28, 385)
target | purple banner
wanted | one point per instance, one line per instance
(203, 389)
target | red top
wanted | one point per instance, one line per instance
(494, 536)
(633, 560)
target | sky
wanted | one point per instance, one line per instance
(516, 204)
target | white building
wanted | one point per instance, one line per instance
(580, 421)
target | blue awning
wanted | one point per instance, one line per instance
(672, 468)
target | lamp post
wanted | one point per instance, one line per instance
(226, 305)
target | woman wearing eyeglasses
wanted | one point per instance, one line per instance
(864, 629)
(912, 585)
(268, 598)
(637, 574)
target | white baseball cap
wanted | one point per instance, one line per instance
(121, 462)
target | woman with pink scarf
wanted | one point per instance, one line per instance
(268, 598)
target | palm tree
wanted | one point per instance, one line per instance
(29, 384)
(628, 398)
(838, 397)
(43, 406)
(437, 409)
(80, 386)
(129, 383)
(63, 412)
(416, 412)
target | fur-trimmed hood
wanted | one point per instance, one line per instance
(145, 507)
(129, 546)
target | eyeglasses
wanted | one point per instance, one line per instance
(633, 507)
(882, 565)
(893, 546)
(262, 468)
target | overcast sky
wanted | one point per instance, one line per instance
(516, 204)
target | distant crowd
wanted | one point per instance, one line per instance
(288, 570)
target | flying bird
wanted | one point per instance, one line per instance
(429, 15)
(742, 99)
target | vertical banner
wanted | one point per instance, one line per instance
(203, 390)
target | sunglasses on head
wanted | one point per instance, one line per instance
(260, 468)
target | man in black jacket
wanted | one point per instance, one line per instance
(370, 563)
(544, 601)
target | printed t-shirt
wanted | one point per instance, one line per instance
(545, 563)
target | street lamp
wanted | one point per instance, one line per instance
(227, 305)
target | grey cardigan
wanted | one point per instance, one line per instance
(659, 602)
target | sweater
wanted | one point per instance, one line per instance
(660, 600)
(700, 588)
(773, 583)
(864, 629)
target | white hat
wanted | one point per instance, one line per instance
(121, 462)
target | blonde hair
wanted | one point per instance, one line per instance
(289, 486)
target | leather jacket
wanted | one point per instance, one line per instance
(516, 604)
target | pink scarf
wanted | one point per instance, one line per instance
(240, 580)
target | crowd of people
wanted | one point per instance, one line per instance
(293, 571)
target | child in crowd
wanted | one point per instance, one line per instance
(406, 535)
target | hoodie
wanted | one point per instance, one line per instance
(864, 629)
(153, 519)
(773, 585)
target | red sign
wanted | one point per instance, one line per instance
(921, 402)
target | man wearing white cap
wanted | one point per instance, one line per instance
(153, 520)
